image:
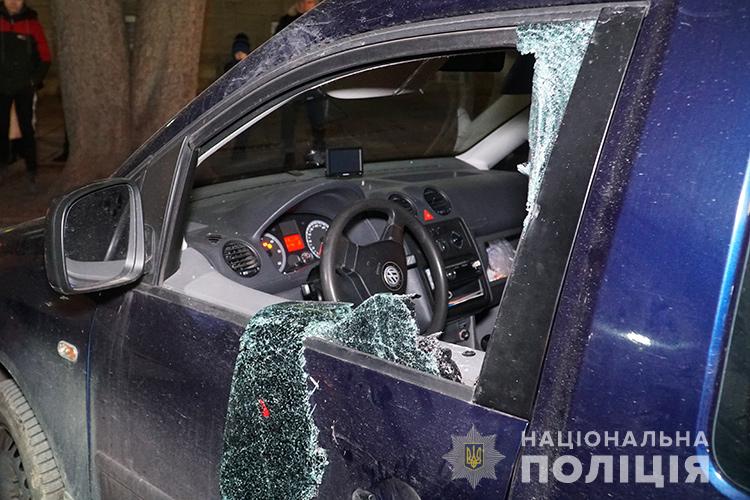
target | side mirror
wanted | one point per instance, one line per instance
(95, 238)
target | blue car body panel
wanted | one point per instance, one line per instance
(160, 389)
(159, 403)
(372, 424)
(630, 346)
(33, 318)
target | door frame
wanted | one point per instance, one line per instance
(516, 357)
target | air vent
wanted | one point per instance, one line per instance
(404, 202)
(213, 238)
(241, 258)
(437, 201)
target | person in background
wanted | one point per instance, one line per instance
(240, 50)
(315, 105)
(63, 157)
(16, 146)
(295, 11)
(314, 102)
(24, 61)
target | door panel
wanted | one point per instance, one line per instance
(160, 391)
(161, 374)
(379, 421)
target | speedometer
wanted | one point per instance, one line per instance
(315, 235)
(273, 248)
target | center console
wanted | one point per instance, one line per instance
(468, 288)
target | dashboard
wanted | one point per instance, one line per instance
(267, 233)
(295, 241)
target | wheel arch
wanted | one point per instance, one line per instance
(8, 372)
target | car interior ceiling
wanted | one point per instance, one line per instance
(440, 138)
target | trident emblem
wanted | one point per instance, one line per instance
(474, 455)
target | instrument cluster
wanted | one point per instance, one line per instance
(294, 241)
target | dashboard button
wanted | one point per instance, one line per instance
(457, 239)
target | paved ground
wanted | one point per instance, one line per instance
(17, 202)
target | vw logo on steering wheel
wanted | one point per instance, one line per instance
(392, 276)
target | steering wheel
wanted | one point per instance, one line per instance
(352, 273)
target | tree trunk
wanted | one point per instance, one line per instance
(165, 62)
(93, 58)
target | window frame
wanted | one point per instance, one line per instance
(219, 143)
(743, 279)
(471, 33)
(736, 272)
(516, 352)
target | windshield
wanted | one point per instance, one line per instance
(426, 108)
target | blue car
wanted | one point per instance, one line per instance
(406, 250)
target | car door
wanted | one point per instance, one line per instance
(162, 361)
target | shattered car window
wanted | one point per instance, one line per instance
(270, 438)
(558, 49)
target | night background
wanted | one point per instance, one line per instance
(120, 69)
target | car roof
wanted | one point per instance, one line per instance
(329, 22)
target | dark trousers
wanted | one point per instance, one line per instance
(24, 100)
(316, 107)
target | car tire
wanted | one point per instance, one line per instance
(28, 470)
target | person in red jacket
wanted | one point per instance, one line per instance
(24, 61)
